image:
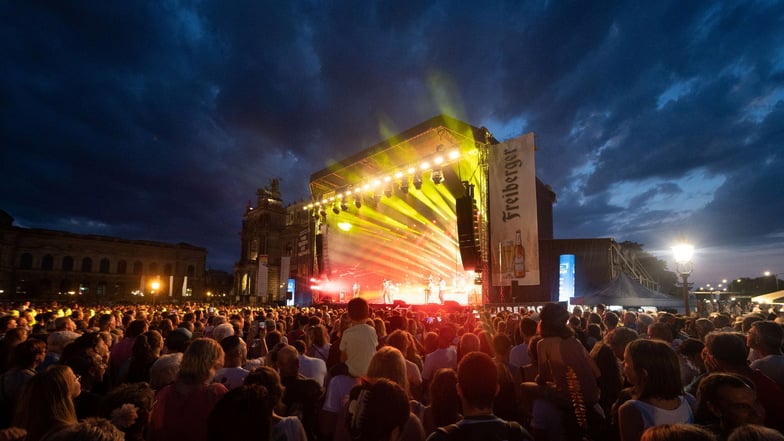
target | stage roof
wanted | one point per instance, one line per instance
(399, 151)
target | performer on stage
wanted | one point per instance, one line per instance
(355, 289)
(441, 289)
(386, 289)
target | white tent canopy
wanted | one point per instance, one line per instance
(771, 297)
(625, 291)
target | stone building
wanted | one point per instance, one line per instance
(275, 254)
(39, 264)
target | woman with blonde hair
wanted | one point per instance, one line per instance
(389, 363)
(182, 408)
(46, 402)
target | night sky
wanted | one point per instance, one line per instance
(160, 119)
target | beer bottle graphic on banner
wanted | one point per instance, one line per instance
(519, 256)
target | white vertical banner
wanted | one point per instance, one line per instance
(171, 286)
(261, 279)
(285, 269)
(185, 286)
(514, 231)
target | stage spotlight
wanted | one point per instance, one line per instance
(437, 176)
(418, 181)
(344, 205)
(388, 191)
(335, 209)
(357, 202)
(323, 212)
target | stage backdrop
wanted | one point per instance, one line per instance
(514, 234)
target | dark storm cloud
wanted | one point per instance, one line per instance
(160, 119)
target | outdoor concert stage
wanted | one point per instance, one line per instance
(409, 295)
(386, 219)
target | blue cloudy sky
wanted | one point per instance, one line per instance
(160, 119)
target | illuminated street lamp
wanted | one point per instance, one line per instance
(683, 253)
(154, 286)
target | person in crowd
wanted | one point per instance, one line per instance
(378, 410)
(445, 356)
(477, 386)
(444, 408)
(25, 358)
(289, 427)
(123, 349)
(652, 367)
(518, 356)
(46, 402)
(726, 402)
(359, 342)
(310, 367)
(766, 339)
(302, 396)
(7, 322)
(467, 343)
(55, 344)
(129, 407)
(232, 374)
(244, 413)
(753, 432)
(319, 342)
(644, 320)
(727, 352)
(90, 369)
(400, 340)
(702, 327)
(145, 351)
(92, 429)
(664, 332)
(608, 356)
(690, 352)
(12, 338)
(677, 432)
(559, 355)
(505, 405)
(182, 408)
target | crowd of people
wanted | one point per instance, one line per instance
(330, 373)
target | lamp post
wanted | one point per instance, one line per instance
(683, 253)
(775, 276)
(154, 286)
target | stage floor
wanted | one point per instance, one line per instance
(414, 297)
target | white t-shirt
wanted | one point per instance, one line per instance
(314, 368)
(440, 358)
(232, 378)
(337, 392)
(359, 342)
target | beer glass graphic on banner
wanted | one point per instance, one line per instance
(507, 259)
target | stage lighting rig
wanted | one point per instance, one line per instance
(335, 209)
(418, 181)
(437, 176)
(357, 201)
(404, 186)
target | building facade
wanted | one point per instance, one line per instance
(276, 259)
(39, 264)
